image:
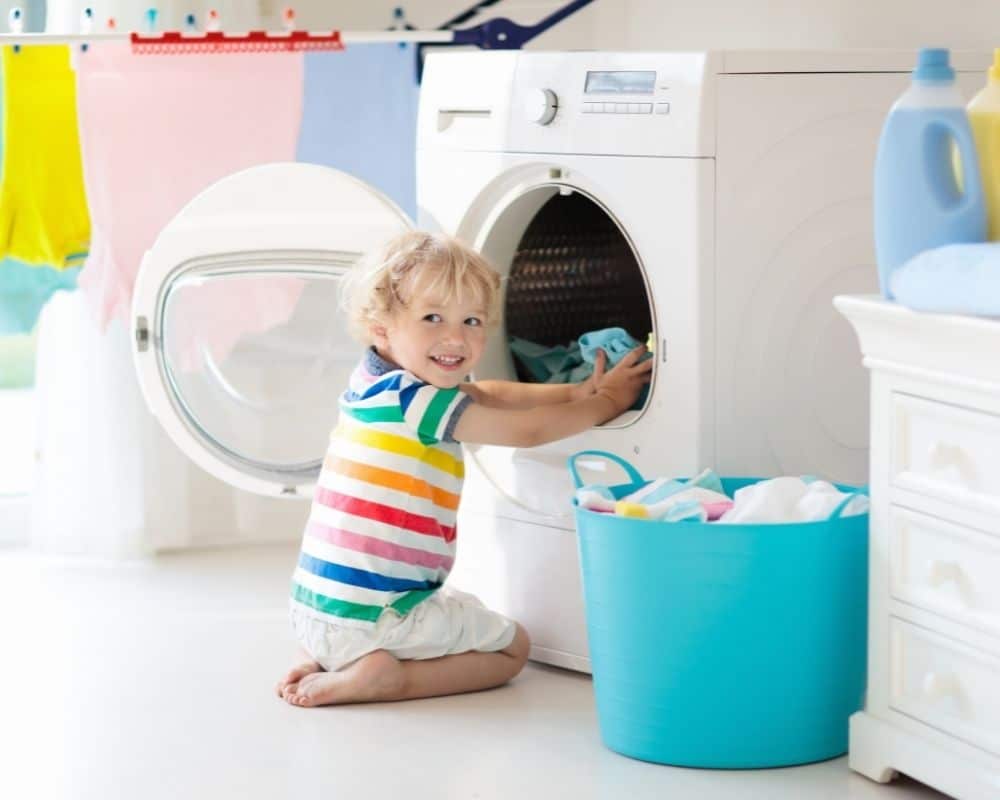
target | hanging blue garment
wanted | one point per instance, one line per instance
(25, 289)
(359, 115)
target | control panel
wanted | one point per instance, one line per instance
(650, 104)
(589, 102)
(625, 108)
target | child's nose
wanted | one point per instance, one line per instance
(455, 334)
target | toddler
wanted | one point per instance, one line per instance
(367, 605)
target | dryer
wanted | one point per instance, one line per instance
(715, 200)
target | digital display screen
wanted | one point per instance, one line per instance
(620, 82)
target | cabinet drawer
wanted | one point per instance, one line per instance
(945, 568)
(946, 451)
(945, 684)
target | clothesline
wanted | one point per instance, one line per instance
(347, 37)
(495, 34)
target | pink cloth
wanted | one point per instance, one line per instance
(155, 131)
(716, 510)
(208, 319)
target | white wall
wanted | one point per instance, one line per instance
(797, 24)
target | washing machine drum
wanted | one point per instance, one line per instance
(240, 345)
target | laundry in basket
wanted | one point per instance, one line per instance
(724, 645)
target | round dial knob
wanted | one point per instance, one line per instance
(540, 106)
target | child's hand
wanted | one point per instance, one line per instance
(625, 380)
(584, 389)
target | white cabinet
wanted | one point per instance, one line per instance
(933, 705)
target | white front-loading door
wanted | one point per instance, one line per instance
(241, 346)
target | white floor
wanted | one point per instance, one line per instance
(153, 680)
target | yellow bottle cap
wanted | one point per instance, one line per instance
(994, 71)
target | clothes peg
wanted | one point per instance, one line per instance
(213, 22)
(151, 15)
(399, 23)
(86, 25)
(190, 23)
(288, 18)
(15, 21)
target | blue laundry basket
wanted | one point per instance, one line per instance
(721, 645)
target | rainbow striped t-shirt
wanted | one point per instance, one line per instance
(381, 533)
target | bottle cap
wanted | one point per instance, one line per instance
(932, 65)
(994, 71)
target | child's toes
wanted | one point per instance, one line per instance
(295, 675)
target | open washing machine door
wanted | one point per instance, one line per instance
(569, 267)
(240, 346)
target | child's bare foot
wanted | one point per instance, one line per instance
(297, 673)
(377, 676)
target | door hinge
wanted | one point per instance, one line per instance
(141, 334)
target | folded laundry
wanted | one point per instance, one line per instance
(954, 279)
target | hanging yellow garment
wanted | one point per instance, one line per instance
(43, 206)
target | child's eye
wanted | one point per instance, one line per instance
(432, 317)
(475, 322)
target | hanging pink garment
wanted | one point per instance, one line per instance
(207, 320)
(155, 131)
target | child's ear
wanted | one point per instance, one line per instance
(378, 332)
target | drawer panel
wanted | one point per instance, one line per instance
(945, 684)
(946, 451)
(945, 568)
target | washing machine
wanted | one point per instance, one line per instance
(714, 202)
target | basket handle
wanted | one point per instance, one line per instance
(838, 512)
(631, 471)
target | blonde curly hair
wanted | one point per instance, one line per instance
(381, 282)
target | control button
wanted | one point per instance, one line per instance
(540, 105)
(645, 108)
(663, 108)
(588, 108)
(634, 108)
(621, 108)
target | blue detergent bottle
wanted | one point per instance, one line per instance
(920, 202)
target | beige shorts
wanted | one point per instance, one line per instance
(446, 623)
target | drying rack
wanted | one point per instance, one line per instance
(499, 33)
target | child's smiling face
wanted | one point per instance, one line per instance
(439, 339)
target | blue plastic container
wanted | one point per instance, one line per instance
(919, 202)
(724, 646)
